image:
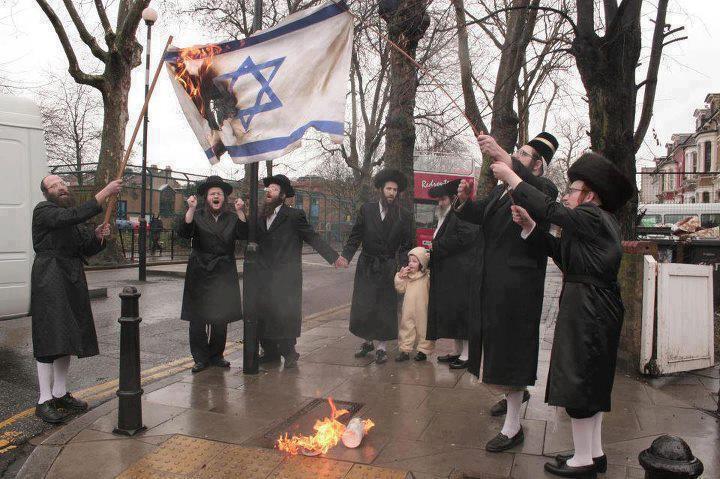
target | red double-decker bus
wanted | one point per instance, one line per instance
(433, 169)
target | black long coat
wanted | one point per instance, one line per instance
(62, 321)
(385, 244)
(587, 332)
(279, 272)
(212, 285)
(452, 263)
(511, 285)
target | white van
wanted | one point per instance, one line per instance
(23, 164)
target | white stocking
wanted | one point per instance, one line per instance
(382, 345)
(597, 450)
(60, 369)
(45, 379)
(512, 419)
(464, 353)
(582, 430)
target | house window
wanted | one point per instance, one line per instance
(299, 199)
(706, 197)
(707, 146)
(121, 211)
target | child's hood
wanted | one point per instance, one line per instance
(422, 255)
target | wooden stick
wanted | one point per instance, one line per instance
(123, 164)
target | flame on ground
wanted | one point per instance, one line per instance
(328, 432)
(192, 82)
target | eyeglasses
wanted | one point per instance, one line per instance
(569, 190)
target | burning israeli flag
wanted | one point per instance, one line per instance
(255, 98)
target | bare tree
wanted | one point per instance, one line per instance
(72, 116)
(573, 139)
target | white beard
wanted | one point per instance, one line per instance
(439, 212)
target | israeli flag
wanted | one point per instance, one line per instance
(255, 98)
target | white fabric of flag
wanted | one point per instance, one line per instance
(255, 98)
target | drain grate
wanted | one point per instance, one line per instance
(302, 421)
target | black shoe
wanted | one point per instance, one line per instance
(291, 360)
(502, 443)
(199, 367)
(402, 357)
(600, 462)
(580, 472)
(459, 364)
(500, 407)
(49, 413)
(220, 363)
(380, 356)
(420, 356)
(448, 358)
(268, 358)
(364, 350)
(70, 404)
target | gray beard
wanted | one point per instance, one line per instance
(439, 212)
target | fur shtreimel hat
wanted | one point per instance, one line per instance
(390, 174)
(604, 178)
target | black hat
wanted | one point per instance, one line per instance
(283, 182)
(390, 174)
(604, 178)
(545, 144)
(448, 189)
(212, 182)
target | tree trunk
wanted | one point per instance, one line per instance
(406, 26)
(607, 69)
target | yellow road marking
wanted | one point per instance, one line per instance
(101, 390)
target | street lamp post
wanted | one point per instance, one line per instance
(150, 16)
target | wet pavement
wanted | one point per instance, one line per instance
(164, 344)
(430, 420)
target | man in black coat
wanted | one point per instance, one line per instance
(452, 264)
(587, 332)
(281, 233)
(509, 333)
(62, 321)
(385, 231)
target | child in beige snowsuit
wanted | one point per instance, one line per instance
(414, 281)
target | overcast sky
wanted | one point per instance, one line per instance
(690, 70)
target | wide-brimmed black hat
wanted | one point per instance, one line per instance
(604, 178)
(390, 174)
(212, 182)
(545, 144)
(448, 189)
(283, 182)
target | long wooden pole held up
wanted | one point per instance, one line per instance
(141, 115)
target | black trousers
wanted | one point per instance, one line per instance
(49, 359)
(207, 341)
(278, 347)
(580, 413)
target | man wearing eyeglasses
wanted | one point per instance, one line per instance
(511, 286)
(62, 321)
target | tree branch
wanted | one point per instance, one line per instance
(651, 78)
(85, 35)
(674, 40)
(95, 81)
(128, 23)
(564, 15)
(104, 19)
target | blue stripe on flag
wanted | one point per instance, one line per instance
(317, 17)
(279, 143)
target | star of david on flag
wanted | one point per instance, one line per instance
(255, 98)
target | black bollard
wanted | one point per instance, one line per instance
(129, 392)
(669, 457)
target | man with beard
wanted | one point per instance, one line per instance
(281, 232)
(509, 333)
(62, 321)
(385, 231)
(452, 263)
